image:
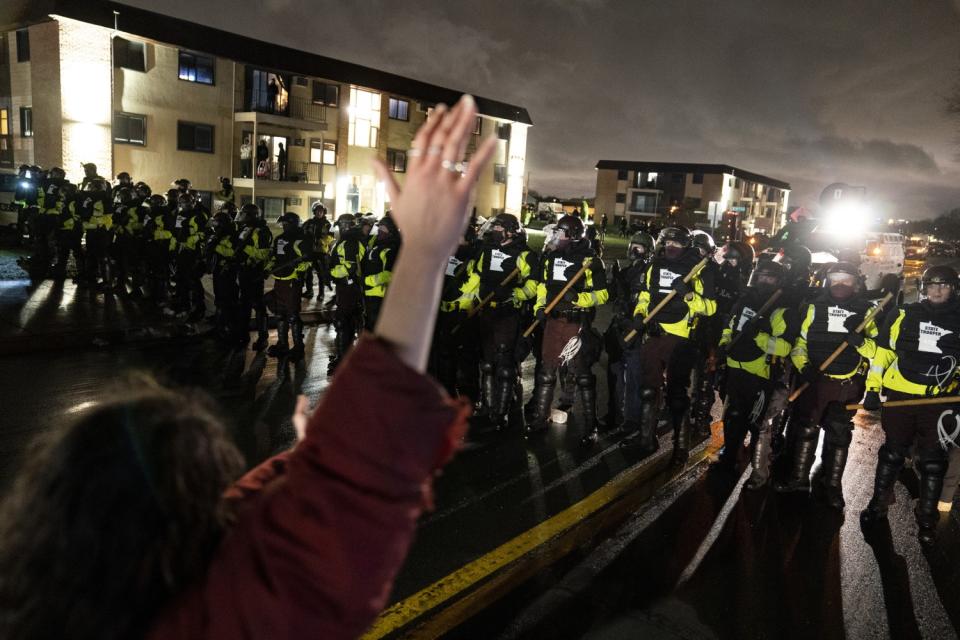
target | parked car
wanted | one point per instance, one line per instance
(8, 210)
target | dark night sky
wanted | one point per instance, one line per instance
(809, 92)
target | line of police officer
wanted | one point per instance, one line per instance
(785, 346)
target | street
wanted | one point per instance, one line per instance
(776, 564)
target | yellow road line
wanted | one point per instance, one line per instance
(402, 613)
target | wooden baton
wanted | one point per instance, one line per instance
(843, 345)
(666, 300)
(556, 300)
(912, 403)
(763, 310)
(474, 311)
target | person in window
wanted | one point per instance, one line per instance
(281, 162)
(273, 91)
(246, 158)
(263, 156)
(131, 524)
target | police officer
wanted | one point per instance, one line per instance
(750, 344)
(127, 227)
(377, 267)
(316, 230)
(253, 251)
(159, 245)
(623, 360)
(222, 264)
(569, 341)
(124, 180)
(503, 251)
(667, 348)
(918, 349)
(450, 359)
(189, 228)
(345, 270)
(289, 258)
(90, 174)
(98, 225)
(45, 222)
(69, 234)
(705, 337)
(826, 323)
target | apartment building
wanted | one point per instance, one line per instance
(702, 193)
(162, 98)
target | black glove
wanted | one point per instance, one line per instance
(681, 287)
(871, 401)
(810, 374)
(570, 296)
(852, 322)
(855, 340)
(750, 329)
(541, 315)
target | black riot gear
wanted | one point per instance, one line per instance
(704, 242)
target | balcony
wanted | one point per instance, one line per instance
(292, 113)
(299, 176)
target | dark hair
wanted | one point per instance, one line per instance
(113, 517)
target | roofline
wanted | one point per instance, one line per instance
(231, 46)
(686, 167)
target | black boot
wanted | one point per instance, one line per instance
(734, 431)
(485, 406)
(542, 401)
(834, 461)
(282, 347)
(261, 342)
(931, 484)
(799, 478)
(646, 436)
(889, 463)
(296, 331)
(587, 390)
(500, 397)
(680, 437)
(760, 462)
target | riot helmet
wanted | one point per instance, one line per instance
(319, 211)
(939, 284)
(568, 230)
(289, 221)
(842, 280)
(123, 196)
(502, 229)
(249, 215)
(703, 241)
(796, 259)
(222, 223)
(182, 184)
(56, 173)
(124, 179)
(186, 202)
(387, 227)
(157, 201)
(641, 246)
(768, 276)
(673, 242)
(229, 208)
(142, 189)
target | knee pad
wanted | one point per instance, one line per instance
(932, 466)
(807, 430)
(648, 394)
(586, 380)
(545, 376)
(506, 372)
(486, 367)
(839, 433)
(891, 455)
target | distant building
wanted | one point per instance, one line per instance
(638, 190)
(162, 98)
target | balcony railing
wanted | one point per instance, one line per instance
(291, 108)
(302, 172)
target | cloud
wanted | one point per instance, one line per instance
(885, 154)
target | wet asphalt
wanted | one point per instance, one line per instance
(780, 566)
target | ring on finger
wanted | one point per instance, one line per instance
(434, 150)
(451, 166)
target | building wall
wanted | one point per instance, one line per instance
(606, 194)
(21, 87)
(85, 78)
(159, 94)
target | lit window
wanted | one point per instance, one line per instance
(196, 68)
(26, 122)
(323, 152)
(329, 153)
(399, 109)
(364, 110)
(500, 173)
(4, 122)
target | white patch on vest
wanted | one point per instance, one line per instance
(496, 259)
(179, 222)
(930, 335)
(836, 317)
(452, 264)
(746, 316)
(666, 279)
(282, 247)
(559, 268)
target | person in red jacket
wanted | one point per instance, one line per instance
(129, 525)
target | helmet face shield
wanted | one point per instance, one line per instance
(559, 239)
